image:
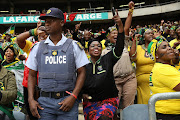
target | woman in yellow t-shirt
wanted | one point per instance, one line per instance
(144, 66)
(164, 78)
(176, 42)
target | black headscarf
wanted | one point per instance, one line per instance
(92, 40)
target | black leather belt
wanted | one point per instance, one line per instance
(56, 95)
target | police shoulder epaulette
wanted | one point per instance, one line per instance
(80, 46)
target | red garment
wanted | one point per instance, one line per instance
(25, 78)
(26, 74)
(94, 110)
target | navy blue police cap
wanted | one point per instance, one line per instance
(53, 12)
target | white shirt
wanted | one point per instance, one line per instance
(80, 56)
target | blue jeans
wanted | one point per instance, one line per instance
(52, 112)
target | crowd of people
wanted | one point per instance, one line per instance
(46, 72)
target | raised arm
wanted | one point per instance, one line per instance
(133, 50)
(21, 38)
(77, 26)
(129, 18)
(120, 39)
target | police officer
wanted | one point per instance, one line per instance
(60, 63)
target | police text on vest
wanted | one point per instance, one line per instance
(55, 59)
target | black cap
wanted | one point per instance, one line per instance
(53, 12)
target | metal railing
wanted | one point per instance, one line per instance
(93, 10)
(160, 96)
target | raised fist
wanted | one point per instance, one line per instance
(131, 5)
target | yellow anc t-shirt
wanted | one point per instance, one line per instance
(172, 43)
(144, 66)
(163, 79)
(27, 47)
(143, 63)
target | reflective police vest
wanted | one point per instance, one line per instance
(56, 67)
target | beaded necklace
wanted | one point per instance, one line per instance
(143, 46)
(146, 53)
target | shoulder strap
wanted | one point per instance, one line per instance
(42, 47)
(66, 45)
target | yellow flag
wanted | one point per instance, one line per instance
(10, 31)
